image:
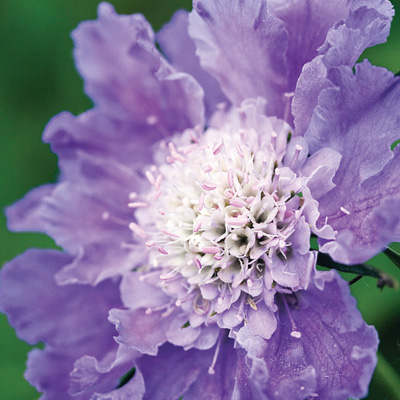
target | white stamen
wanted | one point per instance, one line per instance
(151, 119)
(197, 263)
(132, 195)
(162, 250)
(261, 184)
(217, 148)
(249, 200)
(252, 304)
(189, 149)
(197, 227)
(298, 147)
(201, 201)
(209, 186)
(150, 177)
(174, 153)
(210, 250)
(168, 233)
(135, 228)
(345, 211)
(157, 184)
(138, 204)
(239, 314)
(239, 317)
(239, 150)
(231, 181)
(295, 333)
(237, 202)
(237, 221)
(168, 312)
(193, 137)
(211, 369)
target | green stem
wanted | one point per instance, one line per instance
(384, 279)
(387, 376)
(393, 256)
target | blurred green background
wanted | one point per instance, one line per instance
(38, 80)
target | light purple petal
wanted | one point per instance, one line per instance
(307, 23)
(48, 372)
(133, 390)
(262, 322)
(53, 315)
(23, 215)
(207, 338)
(365, 24)
(110, 181)
(245, 387)
(359, 118)
(181, 335)
(364, 28)
(359, 239)
(180, 50)
(87, 227)
(319, 226)
(243, 47)
(139, 330)
(126, 76)
(99, 261)
(309, 85)
(92, 375)
(169, 375)
(187, 373)
(219, 384)
(71, 320)
(320, 168)
(137, 292)
(75, 218)
(126, 140)
(229, 377)
(333, 357)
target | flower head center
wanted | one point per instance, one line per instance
(221, 208)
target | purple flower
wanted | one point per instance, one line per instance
(187, 199)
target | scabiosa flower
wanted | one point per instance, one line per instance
(187, 199)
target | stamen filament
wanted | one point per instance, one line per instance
(295, 333)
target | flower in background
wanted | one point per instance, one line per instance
(187, 199)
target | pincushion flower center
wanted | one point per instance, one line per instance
(220, 208)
